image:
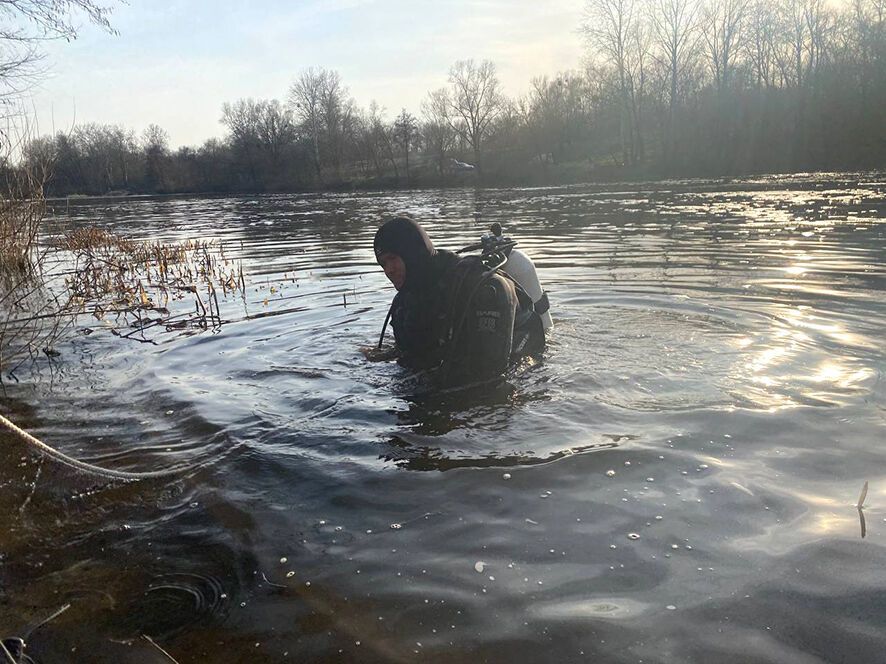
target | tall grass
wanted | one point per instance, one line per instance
(31, 317)
(22, 208)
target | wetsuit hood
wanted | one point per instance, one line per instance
(405, 238)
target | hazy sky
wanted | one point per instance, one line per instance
(176, 61)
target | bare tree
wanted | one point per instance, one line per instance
(306, 100)
(364, 144)
(804, 31)
(543, 114)
(761, 42)
(26, 24)
(436, 131)
(326, 113)
(338, 116)
(637, 72)
(474, 101)
(609, 27)
(866, 40)
(155, 143)
(108, 150)
(796, 39)
(276, 130)
(722, 24)
(819, 26)
(259, 133)
(675, 33)
(242, 120)
(405, 129)
(382, 137)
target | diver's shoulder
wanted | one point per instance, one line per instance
(445, 257)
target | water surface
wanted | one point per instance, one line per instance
(675, 482)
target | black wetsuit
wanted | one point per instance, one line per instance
(419, 314)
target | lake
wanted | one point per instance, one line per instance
(675, 481)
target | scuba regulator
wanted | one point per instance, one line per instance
(494, 247)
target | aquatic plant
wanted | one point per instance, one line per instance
(131, 287)
(136, 286)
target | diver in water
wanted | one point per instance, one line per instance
(460, 317)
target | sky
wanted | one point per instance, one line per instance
(175, 62)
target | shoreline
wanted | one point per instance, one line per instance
(370, 187)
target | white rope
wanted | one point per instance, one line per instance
(43, 448)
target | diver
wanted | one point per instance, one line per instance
(462, 318)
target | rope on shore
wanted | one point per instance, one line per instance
(82, 466)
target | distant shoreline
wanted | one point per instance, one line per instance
(367, 187)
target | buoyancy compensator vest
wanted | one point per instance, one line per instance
(482, 307)
(493, 321)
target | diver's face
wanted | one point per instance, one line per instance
(395, 269)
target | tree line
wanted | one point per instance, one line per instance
(667, 88)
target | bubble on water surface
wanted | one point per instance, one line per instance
(633, 536)
(610, 473)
